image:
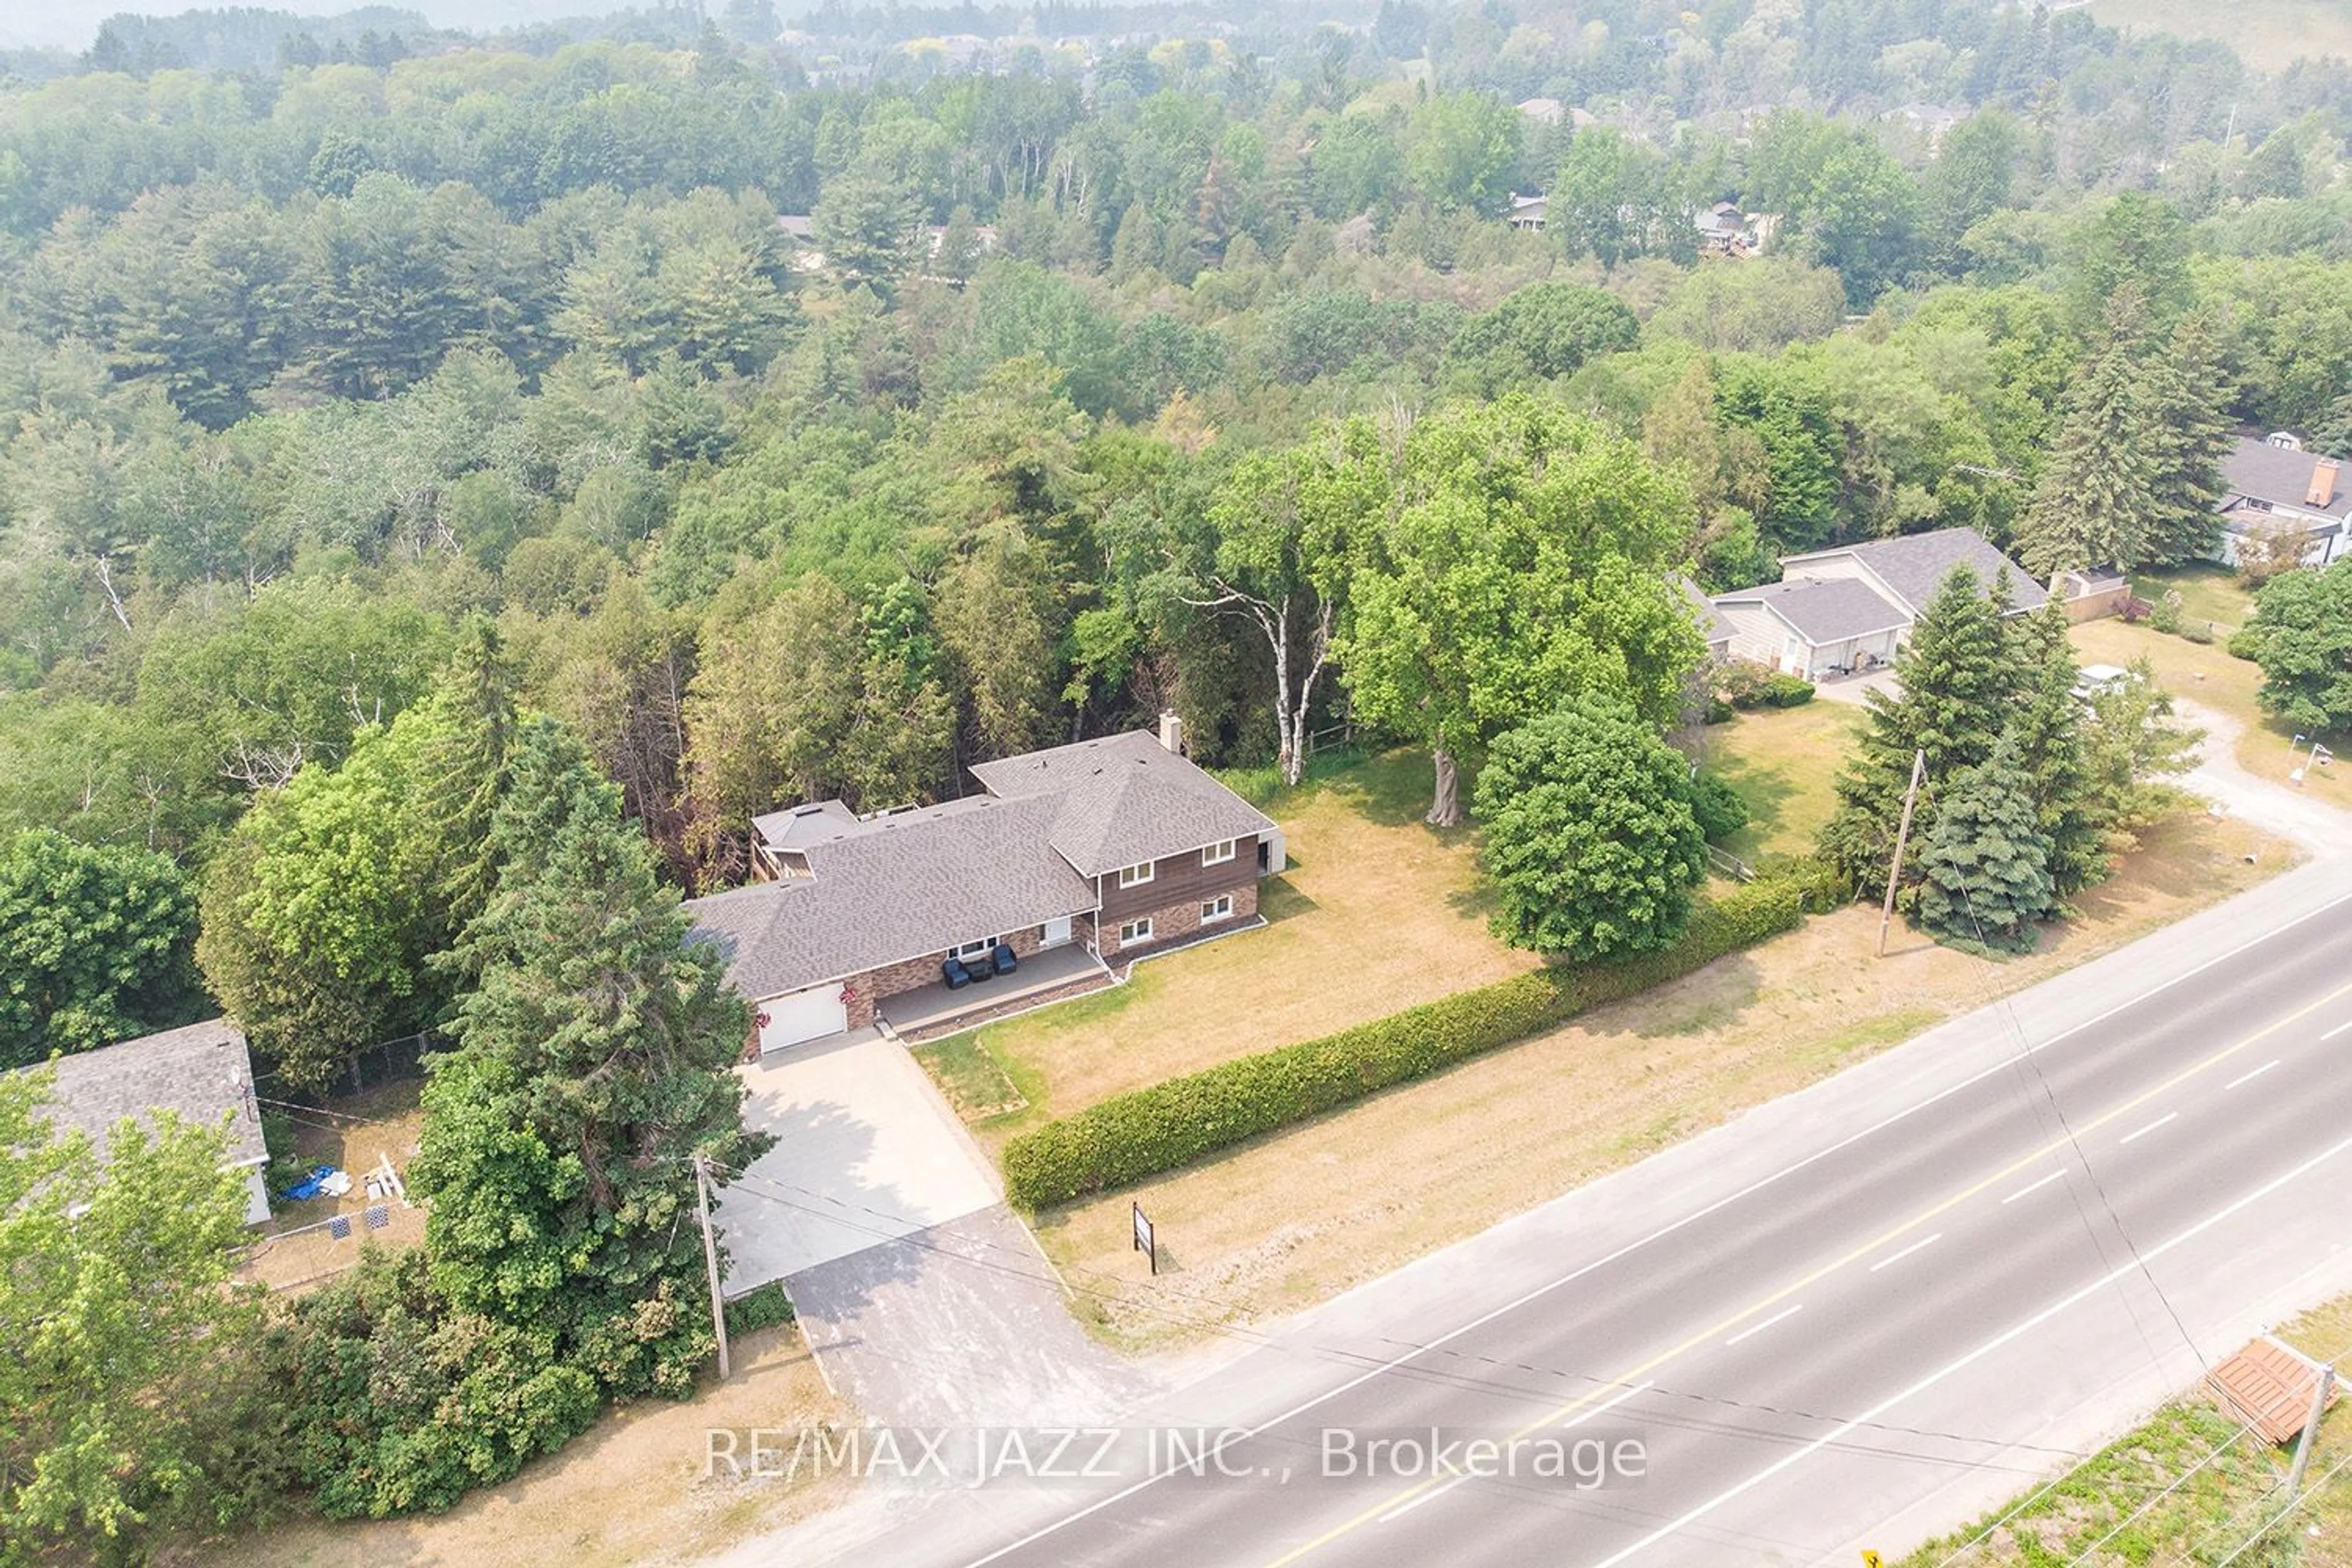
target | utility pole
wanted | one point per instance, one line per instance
(710, 1255)
(2320, 1389)
(1902, 842)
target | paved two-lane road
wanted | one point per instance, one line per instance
(1852, 1317)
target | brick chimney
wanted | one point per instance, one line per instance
(1171, 732)
(2323, 484)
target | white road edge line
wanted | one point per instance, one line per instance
(2334, 1032)
(1612, 1403)
(1899, 1257)
(1663, 1231)
(1607, 1405)
(1781, 1316)
(2250, 1076)
(2036, 1187)
(1841, 1432)
(2167, 1116)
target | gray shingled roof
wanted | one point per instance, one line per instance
(894, 887)
(1711, 624)
(1913, 565)
(202, 1072)
(798, 826)
(1825, 610)
(2281, 476)
(1125, 799)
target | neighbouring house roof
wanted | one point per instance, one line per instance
(1125, 799)
(1711, 624)
(2279, 477)
(890, 889)
(1912, 566)
(1825, 610)
(203, 1073)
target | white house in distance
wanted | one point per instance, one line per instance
(2273, 484)
(203, 1073)
(1837, 611)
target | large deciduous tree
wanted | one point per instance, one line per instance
(591, 1062)
(1590, 836)
(121, 1387)
(95, 945)
(322, 915)
(1276, 560)
(1522, 559)
(2301, 629)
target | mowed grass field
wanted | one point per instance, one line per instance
(2269, 35)
(1784, 761)
(1277, 1225)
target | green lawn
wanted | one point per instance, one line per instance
(1784, 761)
(2211, 595)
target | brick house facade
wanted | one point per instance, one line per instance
(862, 909)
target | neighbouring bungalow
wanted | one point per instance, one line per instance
(202, 1073)
(2273, 485)
(1074, 857)
(1835, 612)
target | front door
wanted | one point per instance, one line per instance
(1054, 932)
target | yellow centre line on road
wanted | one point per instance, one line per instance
(1869, 1249)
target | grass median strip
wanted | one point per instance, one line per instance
(1172, 1124)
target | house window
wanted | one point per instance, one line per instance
(1134, 932)
(1135, 876)
(1217, 910)
(981, 949)
(1217, 854)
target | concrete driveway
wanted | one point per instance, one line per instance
(866, 1151)
(1850, 689)
(925, 1299)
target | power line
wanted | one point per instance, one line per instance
(2292, 1503)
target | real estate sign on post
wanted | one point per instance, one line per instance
(1144, 1240)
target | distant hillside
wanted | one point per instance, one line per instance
(2269, 35)
(74, 24)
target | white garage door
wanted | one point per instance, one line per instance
(802, 1016)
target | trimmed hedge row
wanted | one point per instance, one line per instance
(1172, 1124)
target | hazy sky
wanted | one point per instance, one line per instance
(74, 23)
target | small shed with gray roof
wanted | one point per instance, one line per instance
(202, 1074)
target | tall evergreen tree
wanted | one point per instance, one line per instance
(1985, 876)
(2048, 736)
(1955, 680)
(2096, 500)
(591, 1062)
(2135, 471)
(2188, 397)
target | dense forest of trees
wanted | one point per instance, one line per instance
(795, 438)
